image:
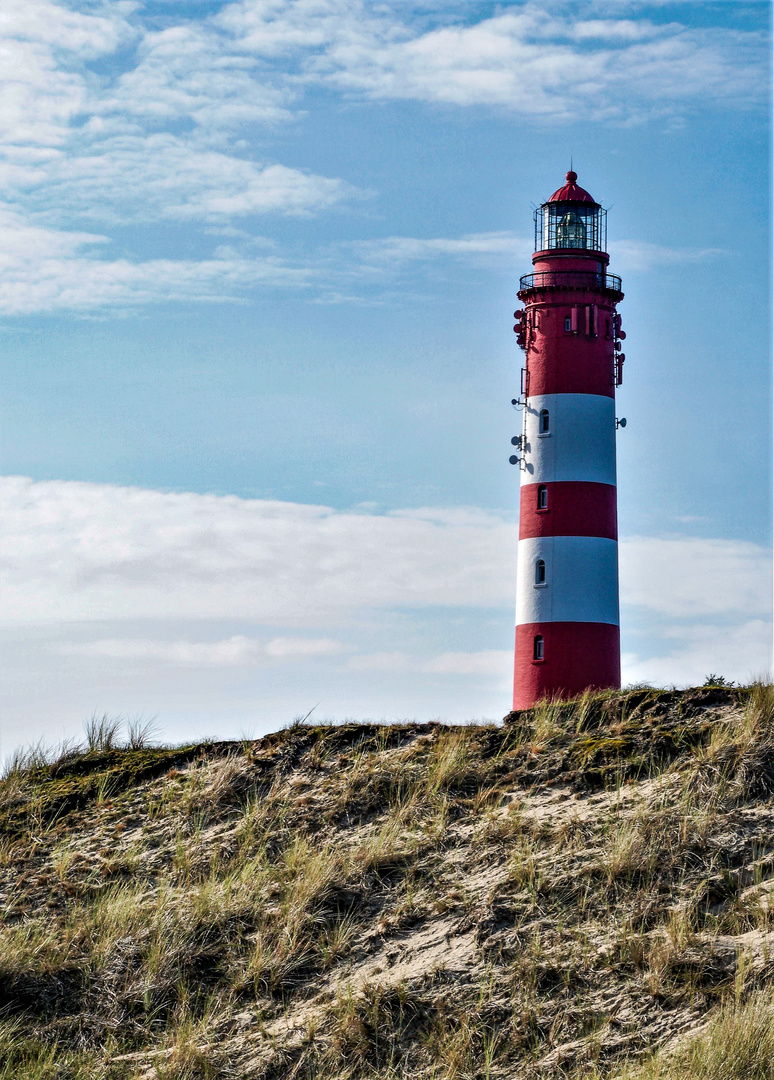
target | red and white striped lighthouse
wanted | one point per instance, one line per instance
(567, 630)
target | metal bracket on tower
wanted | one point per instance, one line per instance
(619, 363)
(521, 401)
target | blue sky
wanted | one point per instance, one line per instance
(257, 266)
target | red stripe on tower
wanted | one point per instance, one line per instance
(567, 633)
(574, 649)
(568, 508)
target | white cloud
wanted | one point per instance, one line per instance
(206, 605)
(549, 60)
(689, 577)
(49, 269)
(191, 72)
(162, 129)
(700, 605)
(89, 284)
(642, 255)
(292, 647)
(531, 61)
(43, 269)
(282, 28)
(43, 49)
(236, 651)
(626, 255)
(153, 142)
(242, 651)
(90, 34)
(75, 551)
(486, 663)
(393, 250)
(131, 178)
(740, 652)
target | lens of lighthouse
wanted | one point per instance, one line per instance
(571, 231)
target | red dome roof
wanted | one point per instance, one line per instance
(571, 192)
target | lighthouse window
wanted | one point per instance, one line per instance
(542, 497)
(537, 648)
(568, 324)
(544, 426)
(540, 572)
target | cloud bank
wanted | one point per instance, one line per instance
(73, 551)
(44, 269)
(108, 120)
(209, 606)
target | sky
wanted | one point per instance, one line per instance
(257, 266)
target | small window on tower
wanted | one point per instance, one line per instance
(544, 426)
(540, 572)
(568, 324)
(542, 494)
(537, 648)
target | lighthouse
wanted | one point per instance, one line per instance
(567, 625)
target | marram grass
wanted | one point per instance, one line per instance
(736, 1043)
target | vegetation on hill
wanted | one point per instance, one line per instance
(582, 891)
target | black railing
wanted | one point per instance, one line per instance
(570, 279)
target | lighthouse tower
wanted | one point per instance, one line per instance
(567, 633)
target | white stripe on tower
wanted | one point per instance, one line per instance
(581, 580)
(580, 443)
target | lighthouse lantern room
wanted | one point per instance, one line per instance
(567, 626)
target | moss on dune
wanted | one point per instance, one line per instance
(53, 790)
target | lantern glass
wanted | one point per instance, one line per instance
(571, 231)
(570, 226)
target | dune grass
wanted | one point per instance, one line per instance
(414, 900)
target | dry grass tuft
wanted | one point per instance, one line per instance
(102, 732)
(736, 1044)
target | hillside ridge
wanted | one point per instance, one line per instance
(558, 895)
